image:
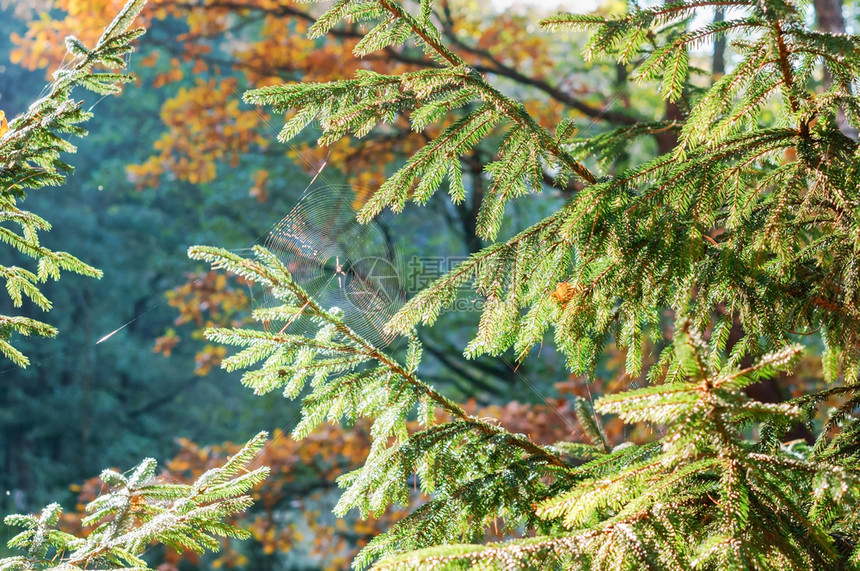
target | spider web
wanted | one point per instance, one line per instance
(341, 263)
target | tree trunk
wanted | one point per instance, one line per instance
(828, 16)
(718, 67)
(666, 140)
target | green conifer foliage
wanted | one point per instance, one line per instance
(30, 158)
(748, 223)
(138, 511)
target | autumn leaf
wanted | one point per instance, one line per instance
(166, 342)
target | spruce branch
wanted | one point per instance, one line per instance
(746, 229)
(30, 158)
(342, 113)
(703, 469)
(138, 511)
(514, 111)
(337, 340)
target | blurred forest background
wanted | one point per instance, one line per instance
(178, 160)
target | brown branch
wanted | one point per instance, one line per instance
(513, 111)
(785, 70)
(499, 68)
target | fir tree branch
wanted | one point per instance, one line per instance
(140, 510)
(270, 272)
(499, 68)
(785, 67)
(515, 112)
(30, 157)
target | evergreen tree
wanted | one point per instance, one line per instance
(140, 509)
(730, 253)
(31, 147)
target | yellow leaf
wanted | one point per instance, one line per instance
(4, 125)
